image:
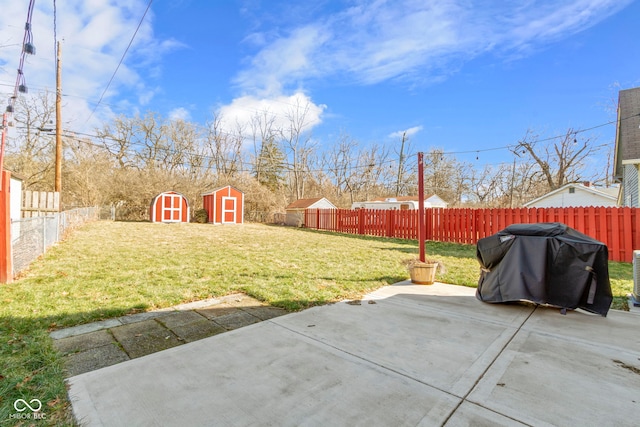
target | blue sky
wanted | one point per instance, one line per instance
(461, 75)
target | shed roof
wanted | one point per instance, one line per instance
(153, 200)
(221, 188)
(305, 203)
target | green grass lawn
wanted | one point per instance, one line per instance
(109, 269)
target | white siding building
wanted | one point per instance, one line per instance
(576, 195)
(295, 211)
(430, 201)
(627, 150)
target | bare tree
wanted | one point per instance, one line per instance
(371, 167)
(186, 156)
(485, 188)
(224, 149)
(88, 173)
(337, 162)
(523, 182)
(560, 160)
(117, 138)
(298, 147)
(354, 172)
(445, 176)
(31, 152)
(151, 137)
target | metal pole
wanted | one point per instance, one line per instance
(4, 136)
(421, 231)
(513, 177)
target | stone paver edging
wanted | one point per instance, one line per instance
(96, 345)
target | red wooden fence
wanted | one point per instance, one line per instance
(618, 228)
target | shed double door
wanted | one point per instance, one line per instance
(171, 207)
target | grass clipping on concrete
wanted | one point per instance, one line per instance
(109, 269)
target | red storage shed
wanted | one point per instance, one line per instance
(169, 207)
(224, 205)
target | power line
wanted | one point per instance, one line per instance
(169, 150)
(121, 61)
(73, 134)
(509, 146)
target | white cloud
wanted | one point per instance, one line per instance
(180, 113)
(93, 36)
(417, 41)
(283, 61)
(405, 40)
(279, 110)
(408, 132)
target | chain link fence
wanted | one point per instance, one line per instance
(31, 237)
(264, 217)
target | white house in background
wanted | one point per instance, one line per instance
(295, 210)
(576, 195)
(389, 204)
(400, 202)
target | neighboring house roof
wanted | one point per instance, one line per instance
(581, 195)
(627, 150)
(317, 202)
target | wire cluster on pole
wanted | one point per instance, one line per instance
(21, 85)
(28, 48)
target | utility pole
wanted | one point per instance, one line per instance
(513, 177)
(422, 235)
(400, 164)
(58, 174)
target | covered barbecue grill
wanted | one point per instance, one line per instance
(545, 263)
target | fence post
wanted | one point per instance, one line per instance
(6, 258)
(44, 233)
(627, 235)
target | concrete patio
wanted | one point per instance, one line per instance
(404, 355)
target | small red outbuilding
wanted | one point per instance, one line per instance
(169, 207)
(224, 205)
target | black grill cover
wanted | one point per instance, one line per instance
(545, 263)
